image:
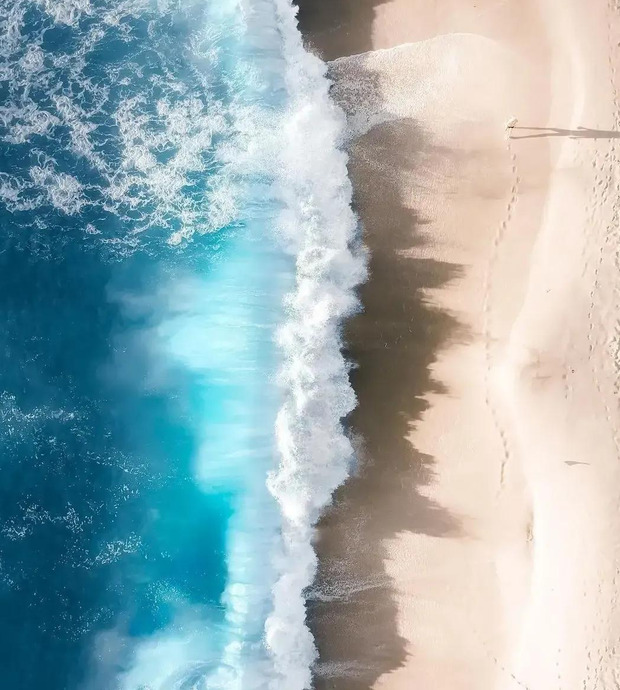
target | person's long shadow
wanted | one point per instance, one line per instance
(394, 343)
(579, 133)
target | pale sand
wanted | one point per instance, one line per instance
(478, 546)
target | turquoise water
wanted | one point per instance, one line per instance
(176, 257)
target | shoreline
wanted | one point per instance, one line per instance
(485, 377)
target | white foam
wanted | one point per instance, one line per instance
(74, 117)
(29, 119)
(64, 191)
(315, 454)
(232, 145)
(170, 132)
(66, 11)
(11, 191)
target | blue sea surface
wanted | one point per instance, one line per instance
(177, 256)
(140, 288)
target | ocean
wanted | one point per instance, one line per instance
(177, 256)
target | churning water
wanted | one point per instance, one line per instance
(177, 254)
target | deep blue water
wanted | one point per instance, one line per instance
(177, 255)
(139, 292)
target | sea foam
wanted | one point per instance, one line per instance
(320, 228)
(246, 144)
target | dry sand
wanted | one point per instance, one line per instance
(478, 544)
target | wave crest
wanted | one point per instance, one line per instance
(315, 454)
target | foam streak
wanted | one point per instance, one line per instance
(315, 454)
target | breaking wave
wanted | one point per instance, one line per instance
(315, 453)
(178, 256)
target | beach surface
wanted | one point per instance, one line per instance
(477, 545)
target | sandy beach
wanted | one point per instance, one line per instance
(477, 546)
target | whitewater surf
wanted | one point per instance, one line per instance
(178, 254)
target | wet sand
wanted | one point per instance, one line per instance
(478, 544)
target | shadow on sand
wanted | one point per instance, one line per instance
(579, 133)
(333, 28)
(394, 343)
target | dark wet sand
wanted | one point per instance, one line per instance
(394, 341)
(429, 207)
